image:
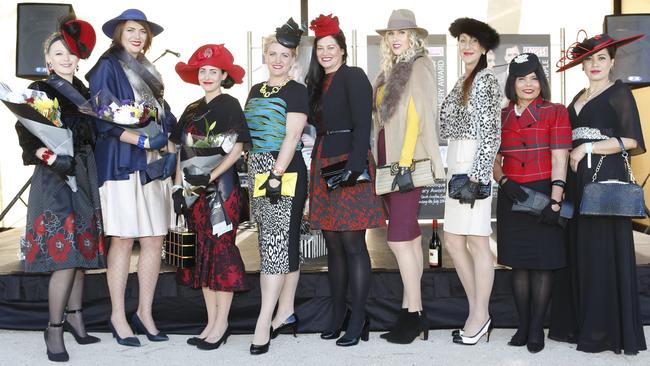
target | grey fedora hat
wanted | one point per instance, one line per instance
(403, 19)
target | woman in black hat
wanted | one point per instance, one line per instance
(596, 300)
(534, 151)
(64, 232)
(136, 203)
(276, 113)
(405, 131)
(469, 119)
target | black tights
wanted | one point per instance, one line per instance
(65, 289)
(348, 264)
(532, 290)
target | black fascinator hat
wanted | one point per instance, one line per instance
(289, 34)
(486, 35)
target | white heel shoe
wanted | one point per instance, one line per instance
(470, 341)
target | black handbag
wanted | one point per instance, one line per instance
(457, 182)
(535, 203)
(180, 246)
(613, 197)
(335, 169)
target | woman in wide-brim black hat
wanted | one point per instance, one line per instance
(470, 120)
(136, 201)
(596, 299)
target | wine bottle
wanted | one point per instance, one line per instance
(435, 247)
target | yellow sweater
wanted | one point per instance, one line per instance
(412, 130)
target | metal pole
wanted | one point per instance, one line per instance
(354, 47)
(562, 74)
(249, 58)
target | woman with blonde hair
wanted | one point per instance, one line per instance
(276, 113)
(405, 131)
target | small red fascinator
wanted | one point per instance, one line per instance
(80, 37)
(325, 25)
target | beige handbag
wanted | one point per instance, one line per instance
(421, 173)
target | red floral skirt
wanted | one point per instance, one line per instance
(218, 262)
(344, 208)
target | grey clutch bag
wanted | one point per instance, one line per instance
(537, 201)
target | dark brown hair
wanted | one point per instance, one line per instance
(117, 35)
(467, 83)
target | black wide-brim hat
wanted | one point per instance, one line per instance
(579, 50)
(487, 36)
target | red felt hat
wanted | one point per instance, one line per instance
(579, 50)
(80, 37)
(325, 25)
(216, 55)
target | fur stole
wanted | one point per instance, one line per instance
(393, 89)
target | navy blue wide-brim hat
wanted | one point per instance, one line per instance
(130, 14)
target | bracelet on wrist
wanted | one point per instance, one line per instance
(502, 179)
(559, 183)
(141, 141)
(46, 155)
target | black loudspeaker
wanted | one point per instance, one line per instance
(632, 64)
(35, 22)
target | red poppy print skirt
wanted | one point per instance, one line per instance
(344, 208)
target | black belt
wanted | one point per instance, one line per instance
(333, 132)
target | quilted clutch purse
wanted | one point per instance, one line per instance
(457, 182)
(536, 202)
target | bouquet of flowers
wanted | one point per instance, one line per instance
(200, 155)
(42, 117)
(130, 114)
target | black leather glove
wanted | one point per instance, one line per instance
(549, 216)
(273, 193)
(349, 178)
(63, 164)
(197, 180)
(468, 193)
(404, 180)
(513, 191)
(156, 142)
(180, 206)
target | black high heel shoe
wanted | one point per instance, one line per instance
(536, 343)
(205, 345)
(260, 349)
(414, 324)
(335, 334)
(55, 357)
(140, 328)
(194, 341)
(291, 322)
(346, 341)
(400, 318)
(128, 341)
(87, 339)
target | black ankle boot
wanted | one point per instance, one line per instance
(414, 324)
(403, 313)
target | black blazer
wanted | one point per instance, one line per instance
(347, 104)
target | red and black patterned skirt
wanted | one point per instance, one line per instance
(219, 265)
(344, 208)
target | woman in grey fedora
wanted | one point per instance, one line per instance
(405, 130)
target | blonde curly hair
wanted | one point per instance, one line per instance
(417, 46)
(271, 39)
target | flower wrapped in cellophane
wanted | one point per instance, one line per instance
(201, 155)
(41, 116)
(133, 115)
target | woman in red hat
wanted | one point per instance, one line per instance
(470, 121)
(345, 205)
(276, 113)
(596, 300)
(219, 269)
(64, 233)
(405, 131)
(136, 200)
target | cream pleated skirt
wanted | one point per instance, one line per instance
(462, 219)
(133, 210)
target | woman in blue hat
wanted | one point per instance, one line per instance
(136, 199)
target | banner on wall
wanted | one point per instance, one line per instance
(512, 45)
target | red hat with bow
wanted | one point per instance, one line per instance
(80, 37)
(216, 55)
(579, 50)
(325, 25)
